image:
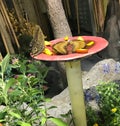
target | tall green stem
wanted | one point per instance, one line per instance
(74, 78)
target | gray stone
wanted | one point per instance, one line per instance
(97, 74)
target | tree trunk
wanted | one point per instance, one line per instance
(61, 29)
(58, 19)
(112, 31)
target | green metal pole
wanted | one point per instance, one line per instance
(74, 77)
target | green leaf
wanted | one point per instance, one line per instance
(32, 68)
(22, 79)
(47, 100)
(58, 122)
(15, 93)
(1, 81)
(2, 115)
(23, 68)
(2, 120)
(15, 114)
(5, 63)
(8, 84)
(23, 123)
(52, 107)
(43, 120)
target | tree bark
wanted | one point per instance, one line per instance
(58, 19)
(112, 31)
(61, 29)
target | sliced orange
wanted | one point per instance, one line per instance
(82, 50)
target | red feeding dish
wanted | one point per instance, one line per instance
(99, 44)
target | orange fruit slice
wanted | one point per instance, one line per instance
(82, 50)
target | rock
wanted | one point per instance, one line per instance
(103, 71)
(62, 102)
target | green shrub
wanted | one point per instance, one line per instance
(22, 94)
(109, 106)
(109, 103)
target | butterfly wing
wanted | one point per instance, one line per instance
(37, 43)
(60, 47)
(77, 45)
(65, 47)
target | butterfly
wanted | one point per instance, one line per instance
(67, 47)
(37, 44)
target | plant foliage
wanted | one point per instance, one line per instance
(22, 93)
